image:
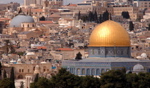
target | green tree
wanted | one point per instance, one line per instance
(9, 47)
(91, 16)
(78, 56)
(6, 83)
(125, 14)
(36, 78)
(42, 18)
(132, 80)
(65, 79)
(12, 77)
(100, 18)
(0, 69)
(106, 16)
(43, 83)
(144, 79)
(131, 26)
(4, 74)
(79, 15)
(22, 84)
(90, 82)
(95, 17)
(33, 85)
(20, 11)
(20, 53)
(113, 79)
(148, 27)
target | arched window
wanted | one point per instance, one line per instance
(20, 77)
(98, 51)
(88, 71)
(93, 72)
(102, 70)
(78, 71)
(22, 70)
(19, 70)
(33, 68)
(83, 71)
(28, 25)
(44, 68)
(97, 72)
(92, 51)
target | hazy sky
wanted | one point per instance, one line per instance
(21, 1)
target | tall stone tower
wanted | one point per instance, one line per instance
(28, 2)
(58, 2)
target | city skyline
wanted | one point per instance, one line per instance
(21, 1)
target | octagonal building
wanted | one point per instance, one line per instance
(109, 49)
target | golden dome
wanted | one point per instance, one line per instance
(109, 33)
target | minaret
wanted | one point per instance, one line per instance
(37, 69)
(25, 2)
(38, 2)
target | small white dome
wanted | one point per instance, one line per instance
(43, 62)
(138, 57)
(19, 60)
(144, 55)
(138, 67)
(37, 66)
(30, 53)
(12, 61)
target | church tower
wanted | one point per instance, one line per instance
(58, 2)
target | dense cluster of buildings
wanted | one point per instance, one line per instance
(41, 36)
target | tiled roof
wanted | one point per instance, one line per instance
(46, 22)
(73, 5)
(54, 15)
(36, 10)
(54, 10)
(65, 49)
(41, 47)
(5, 18)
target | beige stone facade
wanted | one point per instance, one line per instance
(117, 11)
(141, 4)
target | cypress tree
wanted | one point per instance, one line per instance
(110, 16)
(148, 27)
(79, 15)
(78, 56)
(131, 26)
(105, 15)
(42, 18)
(22, 84)
(4, 74)
(95, 17)
(20, 11)
(12, 77)
(125, 14)
(36, 78)
(0, 68)
(90, 16)
(100, 18)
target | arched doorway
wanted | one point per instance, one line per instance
(20, 77)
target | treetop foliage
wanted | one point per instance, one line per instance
(110, 79)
